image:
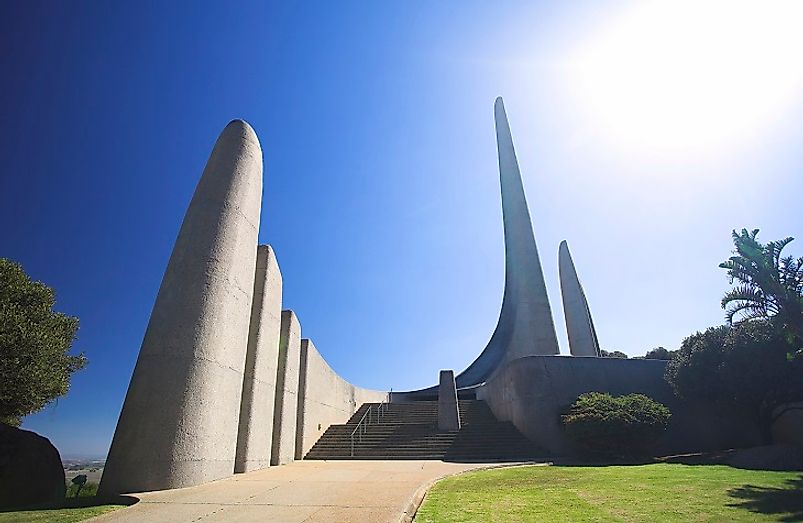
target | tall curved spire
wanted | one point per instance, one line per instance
(579, 325)
(525, 326)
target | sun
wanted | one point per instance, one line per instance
(684, 75)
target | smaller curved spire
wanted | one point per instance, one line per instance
(579, 325)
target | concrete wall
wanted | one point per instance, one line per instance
(178, 424)
(286, 401)
(532, 392)
(255, 433)
(324, 398)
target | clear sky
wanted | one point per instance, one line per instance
(645, 132)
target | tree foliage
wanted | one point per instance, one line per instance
(618, 425)
(743, 367)
(35, 366)
(659, 353)
(612, 354)
(770, 285)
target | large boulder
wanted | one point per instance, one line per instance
(31, 472)
(788, 426)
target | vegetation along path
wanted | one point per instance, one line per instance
(659, 492)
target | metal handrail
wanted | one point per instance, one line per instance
(365, 419)
(384, 406)
(361, 426)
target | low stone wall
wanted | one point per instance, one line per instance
(324, 398)
(532, 392)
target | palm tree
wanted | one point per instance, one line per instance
(770, 286)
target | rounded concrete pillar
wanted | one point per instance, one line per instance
(178, 425)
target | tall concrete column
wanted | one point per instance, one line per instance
(255, 433)
(285, 411)
(178, 425)
(448, 410)
(306, 347)
(525, 326)
(579, 325)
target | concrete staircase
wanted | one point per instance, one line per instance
(410, 431)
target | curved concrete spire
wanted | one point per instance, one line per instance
(525, 326)
(579, 325)
(178, 425)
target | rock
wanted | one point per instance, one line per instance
(788, 426)
(31, 472)
(768, 457)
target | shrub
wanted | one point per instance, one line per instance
(746, 368)
(612, 354)
(89, 490)
(660, 353)
(615, 425)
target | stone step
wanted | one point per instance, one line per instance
(410, 431)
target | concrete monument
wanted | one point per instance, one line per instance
(287, 381)
(525, 326)
(579, 325)
(448, 410)
(178, 425)
(261, 362)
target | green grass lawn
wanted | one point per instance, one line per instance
(659, 492)
(58, 515)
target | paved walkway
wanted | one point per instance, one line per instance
(303, 491)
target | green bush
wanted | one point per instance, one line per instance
(615, 425)
(89, 490)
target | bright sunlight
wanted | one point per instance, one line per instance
(686, 76)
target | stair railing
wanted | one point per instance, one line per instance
(361, 427)
(365, 420)
(383, 407)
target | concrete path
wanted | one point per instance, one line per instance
(303, 491)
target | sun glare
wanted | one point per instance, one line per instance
(690, 75)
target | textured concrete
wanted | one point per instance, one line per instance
(255, 433)
(178, 425)
(525, 326)
(579, 325)
(532, 392)
(286, 401)
(448, 411)
(304, 491)
(324, 398)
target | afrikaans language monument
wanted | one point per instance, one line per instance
(225, 383)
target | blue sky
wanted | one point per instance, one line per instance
(639, 144)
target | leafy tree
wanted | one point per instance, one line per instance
(35, 367)
(659, 353)
(612, 354)
(617, 425)
(771, 286)
(743, 367)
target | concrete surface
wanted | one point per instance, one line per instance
(178, 425)
(303, 491)
(579, 325)
(533, 392)
(525, 326)
(286, 401)
(448, 411)
(324, 398)
(255, 433)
